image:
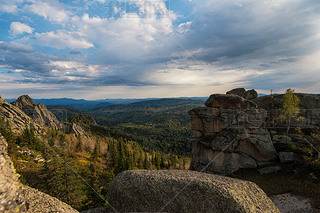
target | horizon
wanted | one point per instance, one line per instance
(157, 48)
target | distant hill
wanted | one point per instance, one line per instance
(77, 103)
(90, 104)
(162, 124)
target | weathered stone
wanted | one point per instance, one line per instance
(185, 191)
(39, 159)
(286, 157)
(237, 91)
(229, 101)
(257, 144)
(10, 187)
(269, 170)
(216, 161)
(248, 95)
(38, 112)
(39, 202)
(281, 138)
(289, 203)
(75, 129)
(16, 117)
(229, 131)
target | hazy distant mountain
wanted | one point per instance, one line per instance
(90, 104)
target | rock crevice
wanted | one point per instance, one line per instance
(228, 134)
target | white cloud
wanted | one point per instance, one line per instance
(49, 9)
(9, 6)
(62, 40)
(132, 36)
(20, 28)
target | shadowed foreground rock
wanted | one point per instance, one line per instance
(39, 202)
(185, 191)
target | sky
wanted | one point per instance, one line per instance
(96, 49)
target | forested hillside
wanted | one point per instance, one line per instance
(162, 125)
(78, 169)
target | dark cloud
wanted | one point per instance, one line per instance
(75, 52)
(252, 30)
(13, 47)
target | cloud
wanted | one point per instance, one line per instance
(52, 10)
(62, 40)
(13, 47)
(9, 6)
(258, 44)
(20, 28)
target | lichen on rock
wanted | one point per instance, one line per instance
(185, 191)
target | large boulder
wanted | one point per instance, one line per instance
(246, 94)
(229, 101)
(185, 191)
(237, 91)
(39, 202)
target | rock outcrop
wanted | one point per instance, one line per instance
(242, 92)
(11, 194)
(25, 111)
(309, 110)
(15, 116)
(37, 112)
(185, 191)
(75, 129)
(229, 134)
(14, 197)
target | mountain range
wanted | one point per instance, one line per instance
(90, 104)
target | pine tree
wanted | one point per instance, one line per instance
(94, 155)
(146, 161)
(122, 165)
(94, 198)
(157, 160)
(112, 161)
(162, 162)
(139, 161)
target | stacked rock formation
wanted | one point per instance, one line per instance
(228, 134)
